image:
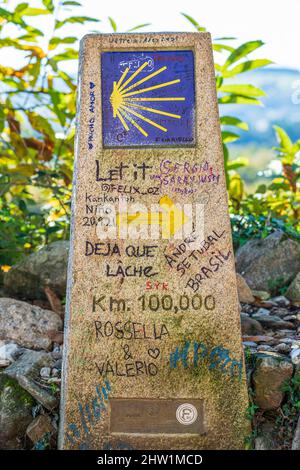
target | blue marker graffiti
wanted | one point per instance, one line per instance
(192, 354)
(89, 415)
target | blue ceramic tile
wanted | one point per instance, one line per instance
(148, 99)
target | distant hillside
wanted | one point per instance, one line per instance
(282, 87)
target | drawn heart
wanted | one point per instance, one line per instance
(154, 353)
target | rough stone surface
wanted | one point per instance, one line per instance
(281, 300)
(293, 292)
(45, 268)
(244, 291)
(27, 325)
(265, 441)
(295, 356)
(263, 263)
(272, 321)
(27, 372)
(39, 427)
(250, 326)
(15, 413)
(270, 373)
(261, 294)
(9, 352)
(224, 394)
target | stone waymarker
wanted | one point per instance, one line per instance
(153, 356)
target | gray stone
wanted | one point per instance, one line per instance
(27, 372)
(281, 300)
(39, 428)
(45, 372)
(47, 267)
(272, 321)
(264, 347)
(58, 364)
(261, 294)
(27, 325)
(55, 372)
(8, 352)
(262, 311)
(271, 371)
(282, 348)
(280, 312)
(244, 291)
(290, 318)
(293, 292)
(250, 326)
(265, 441)
(15, 413)
(249, 344)
(269, 263)
(295, 356)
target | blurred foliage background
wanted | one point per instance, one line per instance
(37, 126)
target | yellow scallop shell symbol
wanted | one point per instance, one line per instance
(125, 102)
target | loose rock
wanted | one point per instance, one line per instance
(9, 352)
(47, 267)
(244, 291)
(281, 301)
(270, 373)
(295, 356)
(269, 263)
(15, 413)
(39, 428)
(273, 321)
(293, 292)
(45, 372)
(27, 372)
(26, 324)
(250, 326)
(261, 294)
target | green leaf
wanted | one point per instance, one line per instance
(236, 187)
(55, 41)
(138, 27)
(32, 30)
(242, 51)
(67, 79)
(74, 20)
(41, 124)
(22, 6)
(5, 13)
(225, 39)
(49, 5)
(237, 99)
(244, 90)
(55, 102)
(228, 137)
(233, 121)
(194, 22)
(283, 139)
(237, 163)
(68, 54)
(245, 67)
(222, 47)
(35, 12)
(113, 24)
(2, 118)
(75, 4)
(219, 81)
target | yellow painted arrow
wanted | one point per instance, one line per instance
(170, 217)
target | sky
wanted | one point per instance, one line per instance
(275, 22)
